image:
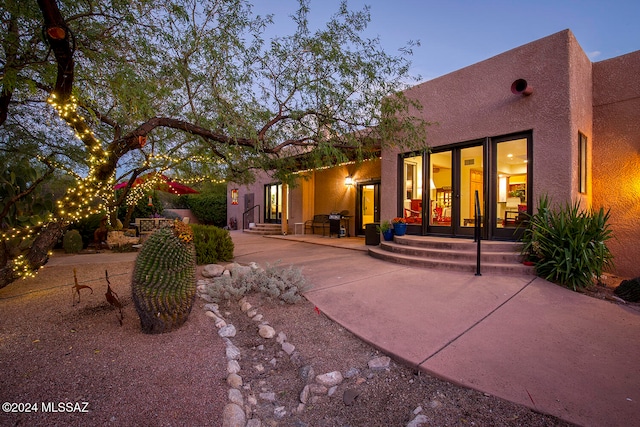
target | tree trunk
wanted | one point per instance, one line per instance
(38, 253)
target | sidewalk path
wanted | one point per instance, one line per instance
(519, 338)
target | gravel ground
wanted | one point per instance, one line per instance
(52, 351)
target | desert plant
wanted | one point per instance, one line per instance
(568, 243)
(212, 244)
(284, 284)
(164, 279)
(72, 242)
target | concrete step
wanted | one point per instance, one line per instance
(265, 229)
(453, 254)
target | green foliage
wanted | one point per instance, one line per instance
(72, 242)
(21, 202)
(164, 283)
(212, 244)
(568, 244)
(142, 208)
(284, 284)
(384, 226)
(209, 208)
(88, 226)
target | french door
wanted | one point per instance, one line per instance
(455, 174)
(273, 203)
(498, 169)
(367, 205)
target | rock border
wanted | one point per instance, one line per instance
(241, 411)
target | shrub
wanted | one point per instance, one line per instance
(568, 244)
(212, 244)
(88, 226)
(209, 208)
(72, 242)
(284, 284)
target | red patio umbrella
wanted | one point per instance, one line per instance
(165, 185)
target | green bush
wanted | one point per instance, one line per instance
(88, 226)
(72, 242)
(212, 244)
(568, 244)
(209, 208)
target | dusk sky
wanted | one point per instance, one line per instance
(457, 33)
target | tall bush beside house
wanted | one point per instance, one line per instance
(164, 279)
(209, 208)
(212, 244)
(568, 244)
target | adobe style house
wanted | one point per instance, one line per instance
(540, 119)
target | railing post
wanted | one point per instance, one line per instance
(244, 214)
(478, 234)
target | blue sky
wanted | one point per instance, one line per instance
(457, 33)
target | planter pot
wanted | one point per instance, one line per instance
(400, 229)
(388, 235)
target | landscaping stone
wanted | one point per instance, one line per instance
(233, 416)
(266, 331)
(212, 270)
(330, 379)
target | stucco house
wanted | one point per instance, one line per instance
(540, 119)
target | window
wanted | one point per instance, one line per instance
(412, 188)
(582, 166)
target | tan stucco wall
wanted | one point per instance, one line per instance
(257, 188)
(616, 154)
(476, 102)
(332, 195)
(317, 192)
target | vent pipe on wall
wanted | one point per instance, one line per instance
(520, 87)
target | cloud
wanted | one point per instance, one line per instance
(594, 55)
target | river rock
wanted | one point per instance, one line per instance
(266, 331)
(227, 331)
(234, 380)
(288, 348)
(235, 396)
(420, 420)
(330, 379)
(269, 397)
(212, 270)
(233, 416)
(233, 367)
(379, 363)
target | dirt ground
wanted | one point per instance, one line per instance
(77, 365)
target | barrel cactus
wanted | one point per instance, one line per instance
(164, 279)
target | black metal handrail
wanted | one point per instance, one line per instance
(244, 214)
(477, 231)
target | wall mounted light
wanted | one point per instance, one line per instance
(348, 181)
(234, 196)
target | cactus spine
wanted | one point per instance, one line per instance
(164, 279)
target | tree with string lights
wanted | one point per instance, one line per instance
(106, 91)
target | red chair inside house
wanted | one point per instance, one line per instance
(414, 215)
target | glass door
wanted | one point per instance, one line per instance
(471, 179)
(440, 192)
(511, 198)
(454, 177)
(273, 202)
(368, 205)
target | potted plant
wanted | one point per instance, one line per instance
(386, 230)
(399, 226)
